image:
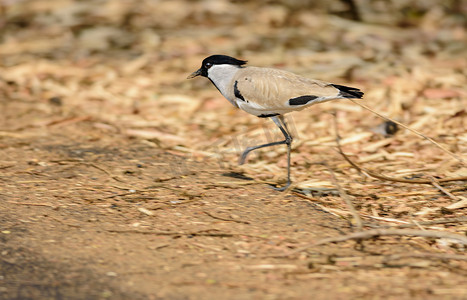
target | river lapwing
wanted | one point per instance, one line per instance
(269, 93)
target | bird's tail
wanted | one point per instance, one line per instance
(348, 92)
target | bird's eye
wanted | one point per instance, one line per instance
(208, 65)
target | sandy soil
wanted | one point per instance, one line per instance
(86, 215)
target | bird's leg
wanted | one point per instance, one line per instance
(280, 122)
(288, 142)
(249, 149)
(282, 119)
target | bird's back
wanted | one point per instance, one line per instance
(272, 88)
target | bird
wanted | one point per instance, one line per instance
(269, 93)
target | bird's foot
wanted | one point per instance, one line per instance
(283, 188)
(245, 153)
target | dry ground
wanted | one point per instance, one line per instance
(118, 178)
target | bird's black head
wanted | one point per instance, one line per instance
(216, 59)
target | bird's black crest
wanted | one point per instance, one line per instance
(218, 59)
(348, 92)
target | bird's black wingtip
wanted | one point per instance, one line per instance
(348, 92)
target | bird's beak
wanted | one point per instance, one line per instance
(194, 74)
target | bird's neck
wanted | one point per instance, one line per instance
(221, 76)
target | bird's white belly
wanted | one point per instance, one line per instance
(257, 110)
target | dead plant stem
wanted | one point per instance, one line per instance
(368, 234)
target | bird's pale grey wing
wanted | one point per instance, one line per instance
(277, 89)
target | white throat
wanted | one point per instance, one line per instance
(221, 76)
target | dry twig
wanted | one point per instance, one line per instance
(346, 198)
(175, 233)
(435, 222)
(225, 219)
(387, 178)
(6, 166)
(368, 234)
(114, 177)
(209, 232)
(441, 256)
(435, 183)
(32, 204)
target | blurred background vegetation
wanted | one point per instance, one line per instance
(56, 29)
(127, 61)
